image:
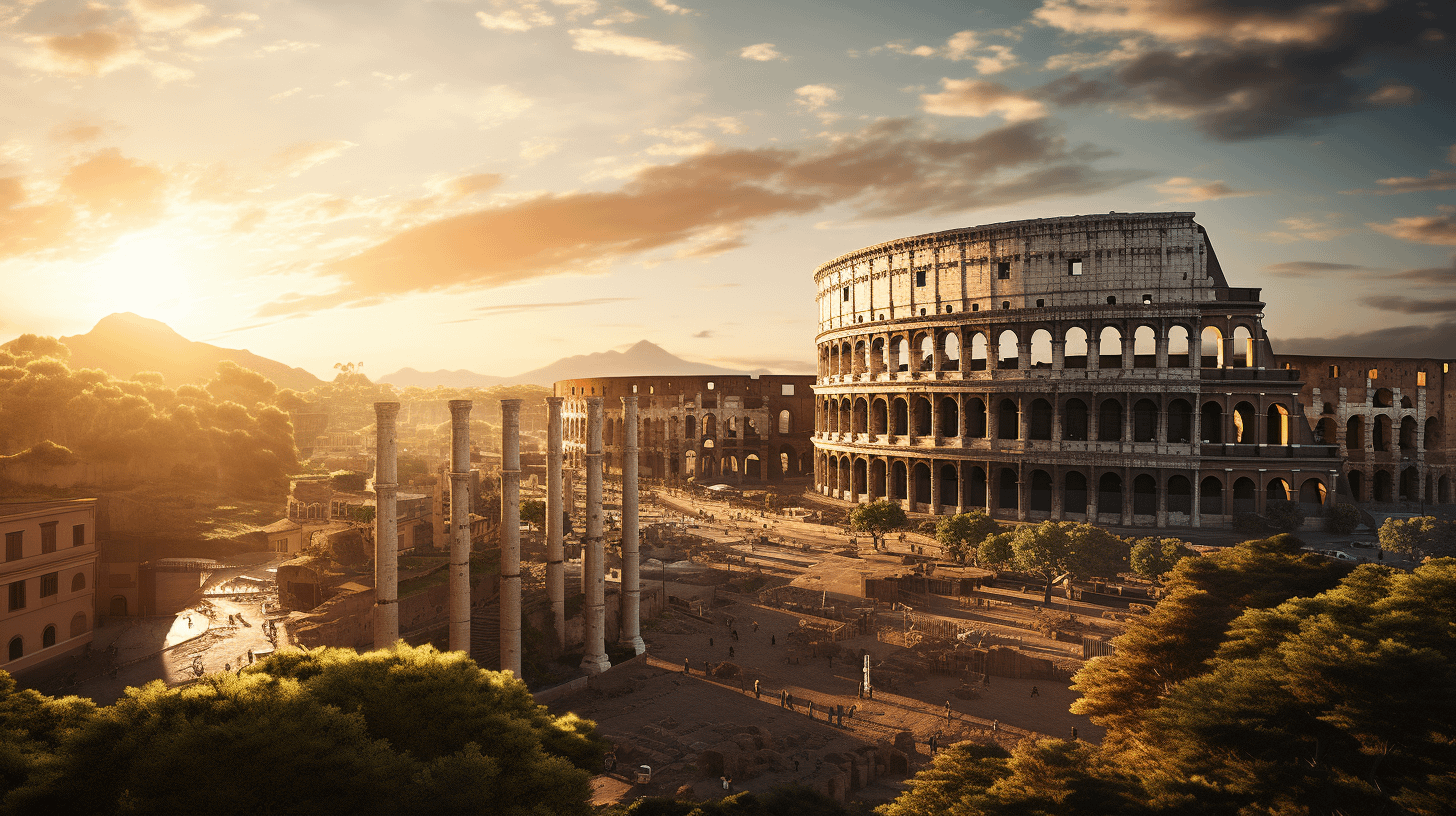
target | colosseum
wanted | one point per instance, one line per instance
(732, 429)
(1095, 368)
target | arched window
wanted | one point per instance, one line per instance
(1074, 353)
(1109, 348)
(48, 637)
(786, 422)
(1006, 353)
(79, 582)
(1178, 347)
(17, 648)
(1211, 341)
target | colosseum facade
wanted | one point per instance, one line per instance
(1094, 368)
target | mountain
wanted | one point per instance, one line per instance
(459, 378)
(123, 344)
(643, 360)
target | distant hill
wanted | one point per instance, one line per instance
(459, 378)
(644, 359)
(123, 344)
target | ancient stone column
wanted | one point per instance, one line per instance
(594, 557)
(631, 615)
(510, 590)
(555, 508)
(460, 525)
(386, 528)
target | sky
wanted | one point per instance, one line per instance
(496, 184)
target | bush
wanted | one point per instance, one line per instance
(1342, 519)
(1284, 516)
(1250, 523)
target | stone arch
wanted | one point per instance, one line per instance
(1211, 340)
(922, 483)
(1357, 484)
(900, 355)
(949, 417)
(118, 607)
(1006, 419)
(1276, 490)
(878, 360)
(877, 477)
(1007, 353)
(858, 366)
(1410, 484)
(752, 467)
(1180, 421)
(1180, 495)
(1355, 433)
(950, 489)
(920, 419)
(1039, 493)
(1145, 421)
(78, 582)
(1178, 346)
(710, 425)
(1039, 423)
(976, 486)
(1007, 484)
(1325, 431)
(1384, 491)
(1277, 425)
(1075, 421)
(1109, 493)
(1243, 348)
(786, 422)
(925, 344)
(976, 418)
(1312, 491)
(1244, 499)
(1408, 433)
(1381, 398)
(950, 344)
(48, 636)
(900, 417)
(978, 352)
(1109, 347)
(860, 485)
(1074, 492)
(1380, 433)
(1144, 495)
(1210, 496)
(879, 416)
(897, 481)
(1109, 421)
(1145, 347)
(1074, 350)
(860, 416)
(1432, 439)
(1244, 430)
(1211, 422)
(16, 649)
(1041, 349)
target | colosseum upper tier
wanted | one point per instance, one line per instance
(1093, 367)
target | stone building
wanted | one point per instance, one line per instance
(1095, 368)
(49, 575)
(734, 429)
(1390, 419)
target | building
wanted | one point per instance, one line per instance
(1390, 419)
(737, 429)
(1096, 368)
(49, 574)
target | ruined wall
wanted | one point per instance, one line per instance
(346, 620)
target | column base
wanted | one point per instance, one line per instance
(595, 664)
(639, 646)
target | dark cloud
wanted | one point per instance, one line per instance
(892, 168)
(1244, 70)
(704, 334)
(1429, 276)
(1300, 269)
(1405, 305)
(1397, 341)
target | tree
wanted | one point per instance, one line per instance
(877, 518)
(1152, 558)
(1420, 536)
(533, 512)
(1053, 548)
(1284, 516)
(1342, 519)
(406, 730)
(995, 549)
(962, 533)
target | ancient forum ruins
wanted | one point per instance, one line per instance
(1098, 368)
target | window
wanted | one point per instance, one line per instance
(79, 582)
(17, 648)
(844, 293)
(1147, 300)
(1006, 304)
(1334, 371)
(1420, 378)
(48, 537)
(920, 277)
(634, 388)
(1040, 303)
(48, 637)
(975, 307)
(1003, 270)
(710, 386)
(786, 390)
(882, 317)
(50, 584)
(947, 310)
(1074, 266)
(17, 595)
(1373, 373)
(78, 535)
(1112, 300)
(922, 313)
(15, 545)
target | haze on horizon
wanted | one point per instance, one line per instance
(494, 185)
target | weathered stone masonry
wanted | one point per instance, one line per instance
(1093, 368)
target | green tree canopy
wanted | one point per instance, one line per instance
(961, 534)
(1152, 558)
(877, 518)
(405, 730)
(1053, 548)
(1419, 536)
(533, 512)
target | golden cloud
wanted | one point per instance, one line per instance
(111, 184)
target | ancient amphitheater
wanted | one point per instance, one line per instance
(1095, 368)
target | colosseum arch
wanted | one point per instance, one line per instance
(1145, 347)
(1075, 348)
(920, 417)
(951, 350)
(976, 418)
(1075, 423)
(978, 352)
(1109, 348)
(1041, 349)
(1211, 340)
(949, 417)
(1178, 347)
(1007, 353)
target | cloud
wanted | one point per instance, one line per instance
(1405, 305)
(960, 47)
(1428, 276)
(211, 35)
(523, 19)
(1242, 70)
(517, 308)
(815, 97)
(165, 15)
(703, 203)
(1434, 180)
(1307, 228)
(600, 41)
(538, 149)
(762, 52)
(77, 132)
(1302, 269)
(1396, 341)
(29, 229)
(1184, 189)
(110, 184)
(1085, 61)
(282, 95)
(1426, 229)
(296, 158)
(978, 97)
(469, 185)
(670, 8)
(91, 53)
(703, 335)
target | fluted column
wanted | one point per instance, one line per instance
(555, 510)
(386, 528)
(460, 525)
(594, 557)
(631, 627)
(510, 593)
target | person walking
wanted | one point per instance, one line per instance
(756, 694)
(685, 665)
(1035, 692)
